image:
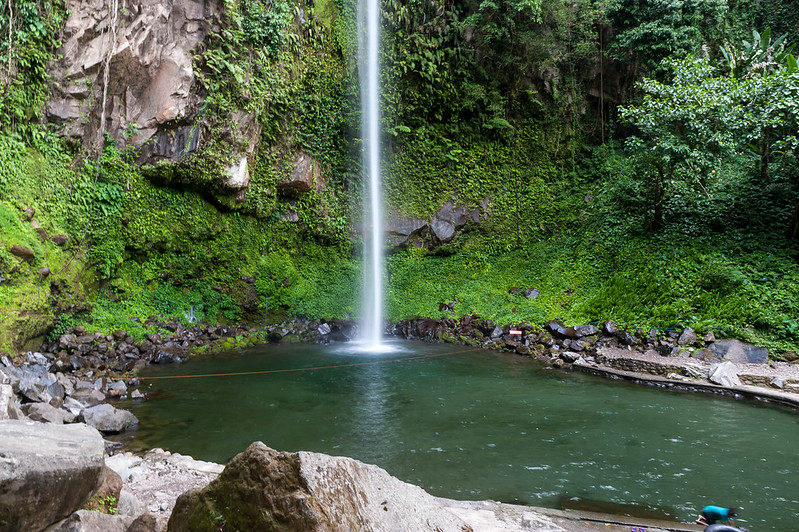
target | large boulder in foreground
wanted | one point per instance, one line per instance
(46, 472)
(263, 489)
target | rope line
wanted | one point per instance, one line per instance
(312, 368)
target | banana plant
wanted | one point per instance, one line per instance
(759, 57)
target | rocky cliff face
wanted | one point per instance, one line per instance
(148, 46)
(126, 71)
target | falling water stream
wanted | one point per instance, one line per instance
(369, 68)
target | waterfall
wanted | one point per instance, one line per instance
(369, 75)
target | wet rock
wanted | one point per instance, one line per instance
(343, 332)
(106, 418)
(163, 356)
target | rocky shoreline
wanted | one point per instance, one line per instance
(77, 378)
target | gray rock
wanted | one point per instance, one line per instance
(323, 329)
(88, 521)
(695, 371)
(88, 397)
(667, 350)
(441, 228)
(569, 356)
(10, 376)
(778, 383)
(46, 413)
(148, 522)
(127, 467)
(264, 489)
(7, 398)
(28, 483)
(74, 406)
(497, 332)
(687, 337)
(106, 418)
(627, 339)
(739, 352)
(129, 504)
(610, 328)
(585, 330)
(725, 374)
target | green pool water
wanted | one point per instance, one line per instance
(473, 424)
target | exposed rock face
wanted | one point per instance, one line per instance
(307, 174)
(739, 352)
(263, 489)
(36, 492)
(151, 77)
(153, 96)
(445, 224)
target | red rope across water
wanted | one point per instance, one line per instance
(312, 368)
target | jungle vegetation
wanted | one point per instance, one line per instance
(639, 158)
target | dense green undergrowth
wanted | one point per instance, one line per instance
(490, 104)
(646, 282)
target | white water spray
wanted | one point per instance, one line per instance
(369, 73)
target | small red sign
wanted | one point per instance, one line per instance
(514, 331)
